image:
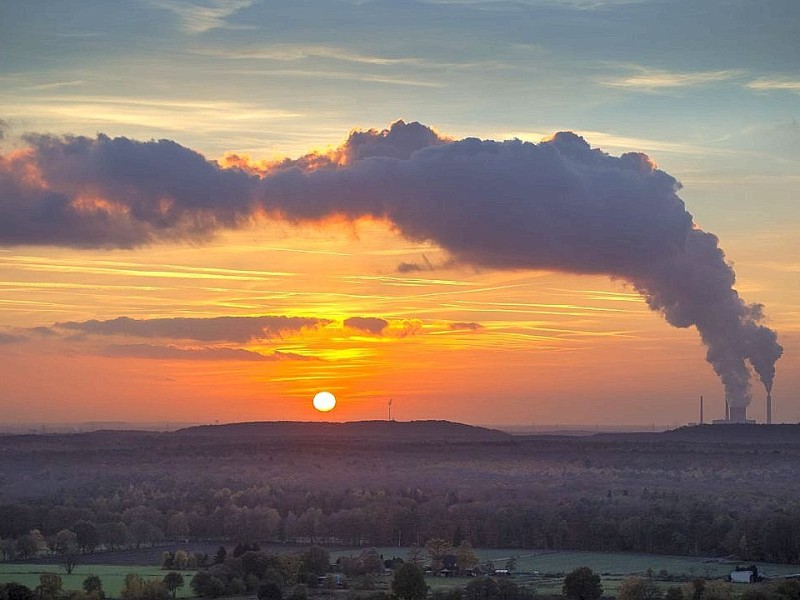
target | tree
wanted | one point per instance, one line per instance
(290, 566)
(132, 588)
(317, 560)
(270, 590)
(16, 591)
(482, 589)
(447, 594)
(7, 549)
(206, 585)
(136, 588)
(144, 532)
(15, 520)
(789, 589)
(178, 526)
(509, 590)
(582, 584)
(416, 555)
(409, 582)
(64, 541)
(114, 535)
(698, 588)
(26, 545)
(437, 549)
(180, 559)
(68, 561)
(299, 592)
(674, 593)
(370, 561)
(49, 586)
(466, 557)
(639, 588)
(93, 586)
(173, 581)
(86, 535)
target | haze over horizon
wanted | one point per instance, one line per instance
(142, 281)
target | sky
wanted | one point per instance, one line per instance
(209, 211)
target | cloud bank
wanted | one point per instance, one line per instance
(205, 354)
(557, 205)
(212, 329)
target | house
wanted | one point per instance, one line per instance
(745, 575)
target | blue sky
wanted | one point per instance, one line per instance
(278, 75)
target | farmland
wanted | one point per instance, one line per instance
(112, 576)
(541, 570)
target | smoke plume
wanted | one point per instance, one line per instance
(557, 205)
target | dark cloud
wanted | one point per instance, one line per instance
(558, 205)
(414, 267)
(104, 192)
(401, 140)
(214, 329)
(461, 326)
(175, 353)
(371, 325)
(408, 267)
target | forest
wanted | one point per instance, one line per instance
(693, 491)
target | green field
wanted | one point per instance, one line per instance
(544, 562)
(112, 576)
(544, 570)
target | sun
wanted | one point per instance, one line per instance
(324, 401)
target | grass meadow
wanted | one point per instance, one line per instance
(545, 570)
(542, 570)
(112, 576)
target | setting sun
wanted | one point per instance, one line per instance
(324, 401)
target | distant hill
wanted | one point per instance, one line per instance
(777, 434)
(372, 431)
(725, 434)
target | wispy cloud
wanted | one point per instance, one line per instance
(645, 79)
(199, 18)
(132, 269)
(344, 76)
(627, 143)
(294, 52)
(403, 281)
(775, 83)
(568, 4)
(465, 326)
(168, 114)
(210, 353)
(54, 85)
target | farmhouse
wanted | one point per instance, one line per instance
(745, 575)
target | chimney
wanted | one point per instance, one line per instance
(701, 410)
(769, 408)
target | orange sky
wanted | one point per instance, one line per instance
(475, 346)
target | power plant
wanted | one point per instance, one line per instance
(738, 413)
